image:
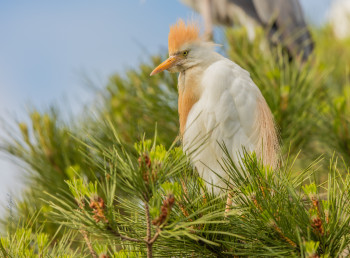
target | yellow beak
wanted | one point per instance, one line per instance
(170, 62)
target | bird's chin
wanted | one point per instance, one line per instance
(174, 69)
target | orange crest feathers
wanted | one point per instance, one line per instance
(180, 34)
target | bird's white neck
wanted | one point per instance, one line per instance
(190, 86)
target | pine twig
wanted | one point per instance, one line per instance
(158, 222)
(228, 203)
(129, 238)
(3, 250)
(88, 243)
(85, 233)
(287, 239)
(123, 237)
(148, 237)
(156, 235)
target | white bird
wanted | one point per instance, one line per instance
(218, 102)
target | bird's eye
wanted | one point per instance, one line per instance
(185, 53)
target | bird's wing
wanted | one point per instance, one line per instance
(226, 111)
(231, 110)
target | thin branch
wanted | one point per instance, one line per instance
(148, 237)
(117, 234)
(156, 235)
(148, 220)
(88, 243)
(130, 238)
(2, 248)
(228, 203)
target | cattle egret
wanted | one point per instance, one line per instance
(218, 102)
(283, 18)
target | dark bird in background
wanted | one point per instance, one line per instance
(284, 20)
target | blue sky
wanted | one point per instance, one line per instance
(47, 48)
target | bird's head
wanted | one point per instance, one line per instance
(186, 49)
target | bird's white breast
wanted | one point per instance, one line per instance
(225, 113)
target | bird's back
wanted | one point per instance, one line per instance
(231, 111)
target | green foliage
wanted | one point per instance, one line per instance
(30, 241)
(337, 123)
(136, 102)
(334, 56)
(50, 155)
(151, 180)
(274, 213)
